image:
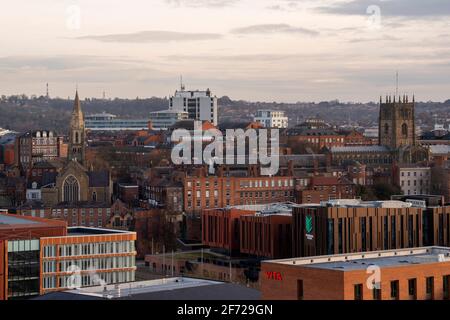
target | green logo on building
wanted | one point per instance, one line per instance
(309, 224)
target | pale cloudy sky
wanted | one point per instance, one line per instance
(265, 50)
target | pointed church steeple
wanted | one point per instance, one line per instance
(77, 133)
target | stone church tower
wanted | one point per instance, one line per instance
(397, 123)
(77, 133)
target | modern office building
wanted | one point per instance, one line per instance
(200, 105)
(272, 119)
(38, 256)
(261, 231)
(401, 274)
(163, 120)
(110, 122)
(351, 225)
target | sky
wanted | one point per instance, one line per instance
(256, 50)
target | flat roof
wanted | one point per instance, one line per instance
(10, 220)
(177, 288)
(85, 231)
(360, 261)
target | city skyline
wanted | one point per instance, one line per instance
(286, 51)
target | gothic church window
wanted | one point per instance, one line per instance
(71, 188)
(405, 130)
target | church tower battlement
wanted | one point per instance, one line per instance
(397, 122)
(77, 133)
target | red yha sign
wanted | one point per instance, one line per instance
(274, 275)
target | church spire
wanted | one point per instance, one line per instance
(77, 133)
(77, 121)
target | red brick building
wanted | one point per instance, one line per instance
(323, 188)
(80, 214)
(403, 274)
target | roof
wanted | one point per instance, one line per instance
(358, 203)
(360, 261)
(440, 149)
(359, 149)
(162, 289)
(16, 222)
(12, 220)
(98, 179)
(85, 231)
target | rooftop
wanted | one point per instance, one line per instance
(84, 231)
(162, 289)
(358, 203)
(360, 261)
(10, 220)
(359, 149)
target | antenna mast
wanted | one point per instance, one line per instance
(396, 88)
(181, 83)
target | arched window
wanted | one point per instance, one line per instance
(71, 189)
(77, 137)
(386, 128)
(405, 130)
(94, 196)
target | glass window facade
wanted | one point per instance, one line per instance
(23, 269)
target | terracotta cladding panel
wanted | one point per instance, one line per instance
(3, 264)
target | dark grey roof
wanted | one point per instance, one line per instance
(223, 291)
(49, 178)
(10, 220)
(66, 296)
(98, 179)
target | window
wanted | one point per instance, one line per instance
(376, 294)
(358, 291)
(412, 288)
(300, 293)
(405, 130)
(430, 287)
(394, 290)
(446, 282)
(71, 189)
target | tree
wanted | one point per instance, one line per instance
(384, 191)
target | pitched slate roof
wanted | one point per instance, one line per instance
(98, 179)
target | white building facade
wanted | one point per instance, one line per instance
(272, 119)
(199, 105)
(415, 180)
(110, 122)
(163, 120)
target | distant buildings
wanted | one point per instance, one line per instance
(271, 119)
(37, 146)
(110, 122)
(200, 105)
(163, 120)
(413, 180)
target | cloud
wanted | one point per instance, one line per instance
(152, 36)
(402, 8)
(202, 3)
(376, 39)
(274, 28)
